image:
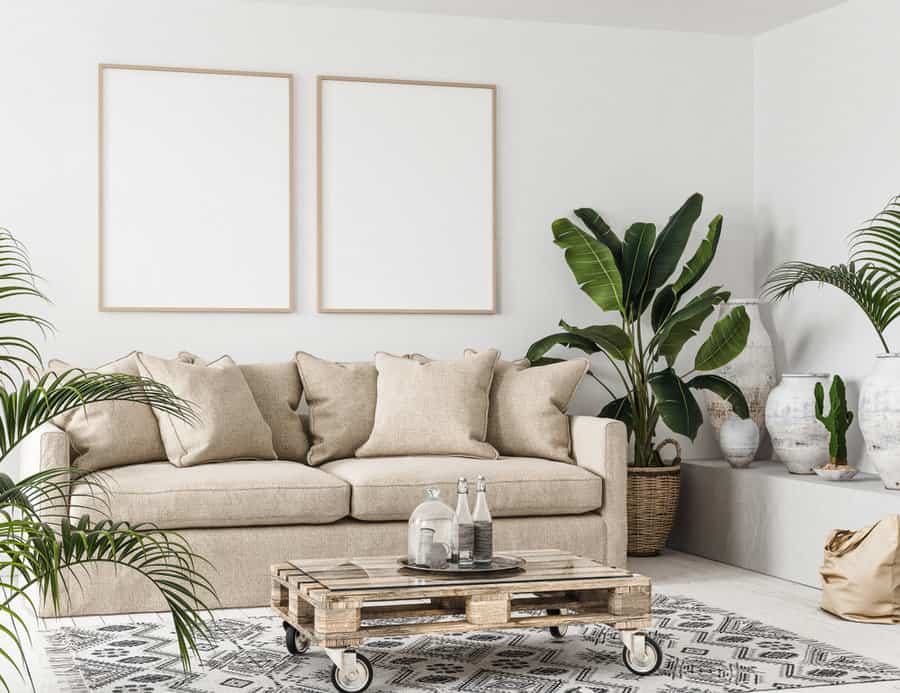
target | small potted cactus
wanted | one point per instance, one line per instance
(837, 421)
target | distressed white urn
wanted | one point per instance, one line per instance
(753, 371)
(799, 440)
(879, 417)
(739, 440)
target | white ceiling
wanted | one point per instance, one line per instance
(740, 17)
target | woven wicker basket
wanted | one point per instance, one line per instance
(652, 502)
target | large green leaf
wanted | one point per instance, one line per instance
(665, 302)
(728, 339)
(696, 267)
(571, 341)
(686, 321)
(725, 389)
(620, 410)
(602, 232)
(592, 263)
(677, 335)
(636, 251)
(675, 403)
(672, 240)
(610, 338)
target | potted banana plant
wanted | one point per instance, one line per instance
(654, 318)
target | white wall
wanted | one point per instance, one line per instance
(827, 157)
(628, 121)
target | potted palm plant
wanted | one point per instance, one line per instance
(629, 277)
(871, 279)
(43, 547)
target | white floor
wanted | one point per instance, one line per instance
(777, 602)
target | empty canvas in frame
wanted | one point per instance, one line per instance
(406, 196)
(195, 190)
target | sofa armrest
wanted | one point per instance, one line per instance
(47, 447)
(601, 446)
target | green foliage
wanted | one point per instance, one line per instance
(623, 277)
(676, 404)
(41, 543)
(871, 278)
(592, 263)
(838, 419)
(724, 388)
(728, 339)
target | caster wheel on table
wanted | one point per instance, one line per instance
(294, 640)
(557, 632)
(353, 681)
(644, 664)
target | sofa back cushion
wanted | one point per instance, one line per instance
(341, 400)
(528, 407)
(110, 434)
(431, 407)
(277, 390)
(230, 424)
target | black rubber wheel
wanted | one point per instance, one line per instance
(649, 663)
(355, 681)
(294, 640)
(557, 632)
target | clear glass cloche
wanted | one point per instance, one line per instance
(429, 532)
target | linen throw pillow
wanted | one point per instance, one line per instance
(277, 390)
(110, 434)
(431, 407)
(528, 407)
(341, 400)
(231, 426)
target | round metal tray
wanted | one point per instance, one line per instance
(498, 564)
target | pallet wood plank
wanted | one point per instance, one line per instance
(332, 601)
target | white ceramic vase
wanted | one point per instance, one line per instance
(799, 440)
(739, 440)
(753, 371)
(879, 417)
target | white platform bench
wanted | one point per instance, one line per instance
(765, 519)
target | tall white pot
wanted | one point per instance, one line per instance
(798, 438)
(753, 371)
(879, 417)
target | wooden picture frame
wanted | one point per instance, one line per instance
(360, 131)
(247, 244)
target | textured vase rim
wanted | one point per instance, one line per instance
(744, 302)
(891, 355)
(805, 375)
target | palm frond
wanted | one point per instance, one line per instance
(866, 285)
(40, 544)
(33, 404)
(18, 355)
(43, 552)
(877, 244)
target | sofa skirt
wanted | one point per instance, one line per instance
(242, 556)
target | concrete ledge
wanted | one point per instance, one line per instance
(765, 519)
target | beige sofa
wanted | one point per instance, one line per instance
(244, 516)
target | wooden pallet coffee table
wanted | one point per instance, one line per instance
(333, 603)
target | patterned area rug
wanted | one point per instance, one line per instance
(705, 650)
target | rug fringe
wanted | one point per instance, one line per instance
(61, 664)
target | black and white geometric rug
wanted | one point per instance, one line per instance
(705, 650)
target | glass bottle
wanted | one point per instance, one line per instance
(463, 529)
(484, 526)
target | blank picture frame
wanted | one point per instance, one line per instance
(195, 190)
(406, 196)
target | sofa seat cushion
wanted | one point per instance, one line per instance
(227, 494)
(389, 488)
